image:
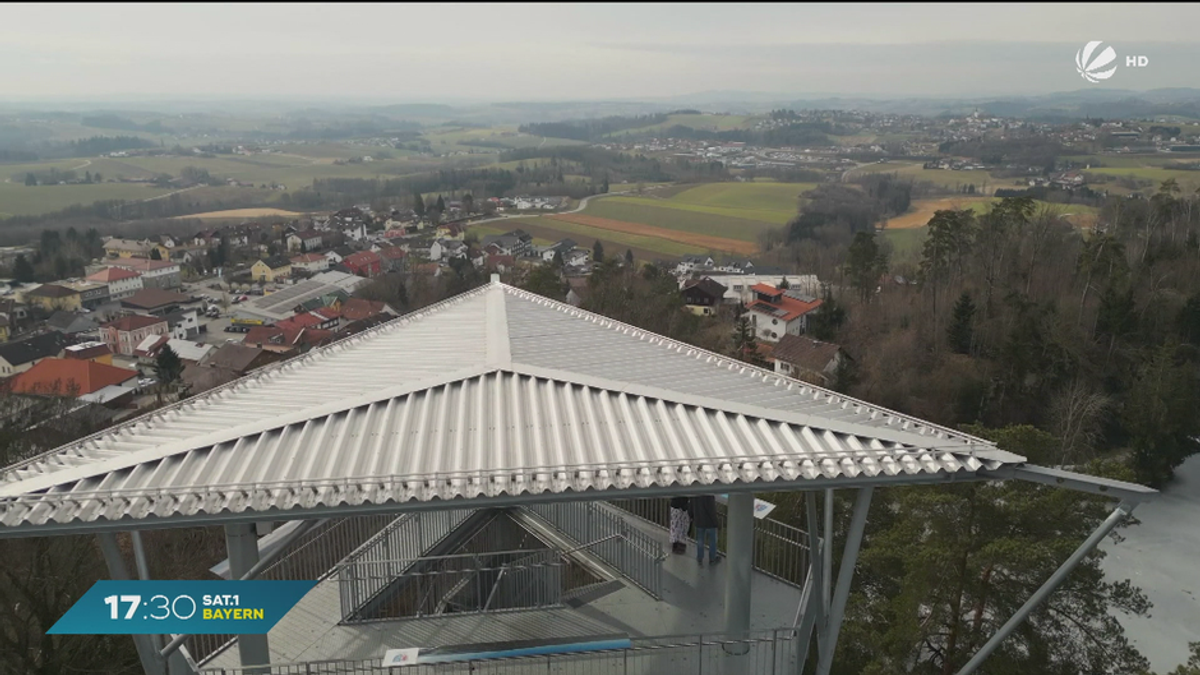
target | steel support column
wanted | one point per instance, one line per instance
(810, 599)
(837, 607)
(1059, 576)
(739, 553)
(117, 570)
(241, 546)
(177, 664)
(827, 552)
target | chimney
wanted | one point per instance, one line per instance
(495, 278)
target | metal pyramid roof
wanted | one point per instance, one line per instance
(493, 393)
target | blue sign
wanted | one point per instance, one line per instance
(181, 607)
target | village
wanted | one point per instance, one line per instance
(206, 309)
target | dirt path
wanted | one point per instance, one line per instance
(173, 193)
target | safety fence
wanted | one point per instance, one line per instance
(771, 652)
(604, 532)
(389, 554)
(780, 550)
(314, 555)
(461, 584)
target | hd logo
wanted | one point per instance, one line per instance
(1097, 67)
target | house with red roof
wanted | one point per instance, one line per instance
(126, 333)
(364, 264)
(310, 262)
(393, 258)
(776, 312)
(121, 282)
(79, 378)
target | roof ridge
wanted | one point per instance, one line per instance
(269, 372)
(719, 360)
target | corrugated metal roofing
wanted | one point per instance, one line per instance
(494, 392)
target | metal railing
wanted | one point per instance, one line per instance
(780, 550)
(461, 583)
(771, 652)
(313, 556)
(388, 555)
(604, 532)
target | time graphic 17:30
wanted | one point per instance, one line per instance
(158, 607)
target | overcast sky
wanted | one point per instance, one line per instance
(555, 52)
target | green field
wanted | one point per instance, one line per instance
(758, 201)
(644, 248)
(703, 122)
(18, 200)
(732, 210)
(636, 211)
(458, 139)
(945, 178)
(906, 244)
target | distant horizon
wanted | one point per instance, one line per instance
(720, 96)
(579, 52)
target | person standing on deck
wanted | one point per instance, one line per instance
(680, 521)
(704, 515)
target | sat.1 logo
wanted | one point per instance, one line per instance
(1095, 67)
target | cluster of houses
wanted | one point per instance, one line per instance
(779, 315)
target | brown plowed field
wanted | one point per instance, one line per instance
(701, 240)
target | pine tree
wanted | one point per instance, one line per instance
(441, 204)
(30, 180)
(598, 252)
(745, 343)
(960, 329)
(168, 366)
(418, 205)
(22, 270)
(783, 284)
(865, 263)
(155, 254)
(629, 256)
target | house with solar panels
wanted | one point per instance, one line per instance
(487, 492)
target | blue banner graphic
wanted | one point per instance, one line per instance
(181, 607)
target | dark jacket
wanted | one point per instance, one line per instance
(680, 503)
(704, 511)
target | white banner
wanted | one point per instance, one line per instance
(761, 508)
(401, 657)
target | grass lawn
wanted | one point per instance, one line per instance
(946, 178)
(906, 244)
(765, 200)
(1186, 179)
(644, 248)
(18, 200)
(707, 122)
(637, 211)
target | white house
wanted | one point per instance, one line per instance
(310, 262)
(739, 287)
(356, 231)
(122, 283)
(564, 246)
(776, 312)
(184, 324)
(304, 241)
(155, 273)
(447, 248)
